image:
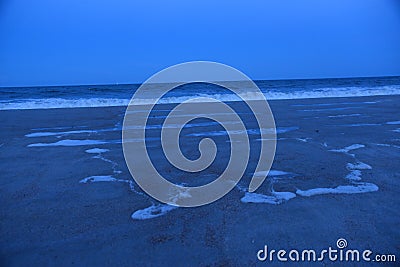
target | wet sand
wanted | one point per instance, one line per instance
(53, 212)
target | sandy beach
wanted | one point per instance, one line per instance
(68, 198)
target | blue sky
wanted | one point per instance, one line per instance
(48, 42)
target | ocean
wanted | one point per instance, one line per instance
(119, 95)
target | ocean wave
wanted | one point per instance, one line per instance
(48, 103)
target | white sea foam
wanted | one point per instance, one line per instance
(345, 115)
(270, 95)
(152, 212)
(304, 140)
(136, 191)
(102, 178)
(171, 126)
(385, 145)
(275, 198)
(358, 166)
(327, 109)
(43, 134)
(354, 175)
(388, 145)
(56, 128)
(348, 148)
(331, 104)
(270, 139)
(279, 130)
(271, 173)
(68, 142)
(220, 133)
(46, 103)
(393, 122)
(359, 124)
(342, 189)
(97, 150)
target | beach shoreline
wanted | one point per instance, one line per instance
(51, 215)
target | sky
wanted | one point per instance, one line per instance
(71, 42)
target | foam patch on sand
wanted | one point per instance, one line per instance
(102, 178)
(388, 145)
(345, 115)
(304, 140)
(183, 193)
(326, 109)
(279, 130)
(42, 134)
(136, 191)
(393, 122)
(153, 211)
(359, 124)
(348, 148)
(275, 198)
(354, 175)
(342, 189)
(69, 142)
(271, 173)
(385, 145)
(358, 166)
(97, 150)
(271, 139)
(172, 126)
(113, 163)
(56, 128)
(333, 104)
